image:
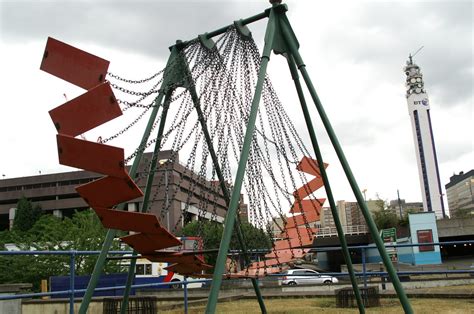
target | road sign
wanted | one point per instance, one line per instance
(389, 237)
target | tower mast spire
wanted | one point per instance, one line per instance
(419, 110)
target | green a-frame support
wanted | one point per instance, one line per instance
(279, 37)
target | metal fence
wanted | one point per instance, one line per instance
(348, 230)
(364, 274)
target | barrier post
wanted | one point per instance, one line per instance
(364, 268)
(72, 274)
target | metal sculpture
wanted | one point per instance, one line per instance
(72, 119)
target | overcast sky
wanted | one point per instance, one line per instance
(354, 51)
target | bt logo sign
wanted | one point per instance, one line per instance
(423, 102)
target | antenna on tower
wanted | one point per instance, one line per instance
(412, 55)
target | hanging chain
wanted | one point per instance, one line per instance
(224, 79)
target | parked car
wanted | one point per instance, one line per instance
(295, 277)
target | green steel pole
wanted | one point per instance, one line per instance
(99, 265)
(154, 160)
(225, 191)
(345, 165)
(146, 199)
(224, 29)
(327, 186)
(234, 201)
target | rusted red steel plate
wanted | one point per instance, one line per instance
(268, 263)
(296, 253)
(187, 269)
(128, 221)
(273, 261)
(256, 272)
(287, 254)
(299, 220)
(86, 112)
(294, 232)
(309, 165)
(148, 243)
(91, 156)
(308, 188)
(177, 257)
(291, 243)
(73, 65)
(159, 257)
(109, 191)
(307, 205)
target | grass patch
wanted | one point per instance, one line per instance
(328, 305)
(460, 288)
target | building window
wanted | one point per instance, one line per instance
(140, 269)
(143, 269)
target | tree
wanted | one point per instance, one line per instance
(380, 204)
(211, 234)
(404, 221)
(26, 215)
(82, 232)
(255, 238)
(385, 219)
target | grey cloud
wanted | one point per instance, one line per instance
(356, 133)
(383, 35)
(449, 151)
(142, 27)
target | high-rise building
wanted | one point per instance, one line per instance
(460, 192)
(419, 110)
(350, 216)
(401, 206)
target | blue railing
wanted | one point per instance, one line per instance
(72, 292)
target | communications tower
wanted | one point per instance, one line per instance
(419, 110)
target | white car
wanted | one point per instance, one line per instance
(295, 277)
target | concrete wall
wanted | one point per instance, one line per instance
(10, 306)
(455, 227)
(53, 306)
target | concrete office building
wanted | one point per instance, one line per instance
(460, 192)
(404, 206)
(350, 216)
(419, 110)
(179, 195)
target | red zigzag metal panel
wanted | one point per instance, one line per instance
(296, 232)
(95, 107)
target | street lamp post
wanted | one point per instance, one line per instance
(399, 204)
(365, 196)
